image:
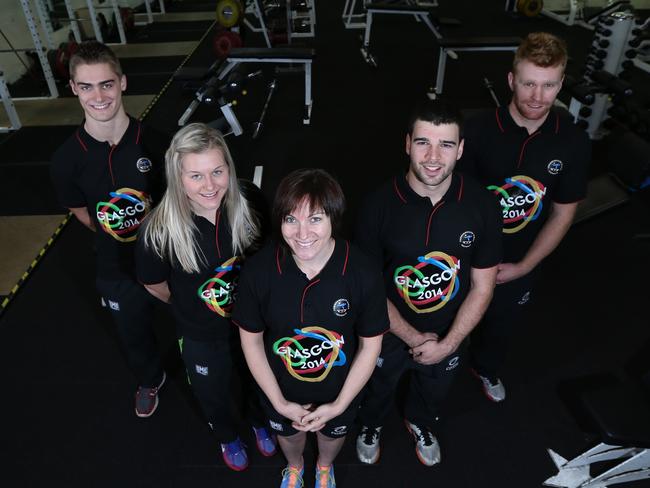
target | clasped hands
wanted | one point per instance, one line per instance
(307, 418)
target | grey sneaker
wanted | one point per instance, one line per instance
(368, 444)
(426, 444)
(146, 399)
(492, 387)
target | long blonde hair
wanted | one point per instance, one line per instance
(170, 230)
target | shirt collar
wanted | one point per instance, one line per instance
(406, 194)
(335, 266)
(506, 123)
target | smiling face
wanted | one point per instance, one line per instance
(433, 150)
(99, 90)
(534, 90)
(308, 233)
(205, 179)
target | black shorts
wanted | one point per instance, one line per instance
(336, 427)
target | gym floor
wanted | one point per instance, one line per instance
(67, 416)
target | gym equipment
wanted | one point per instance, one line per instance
(281, 21)
(229, 12)
(449, 47)
(612, 51)
(529, 8)
(575, 14)
(488, 85)
(421, 13)
(299, 56)
(620, 413)
(224, 41)
(257, 126)
(9, 107)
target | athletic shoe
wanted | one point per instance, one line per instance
(292, 477)
(325, 477)
(234, 455)
(146, 399)
(492, 387)
(426, 444)
(266, 442)
(368, 444)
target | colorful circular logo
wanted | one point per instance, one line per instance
(554, 167)
(218, 292)
(122, 214)
(467, 239)
(144, 165)
(521, 202)
(341, 307)
(311, 354)
(430, 284)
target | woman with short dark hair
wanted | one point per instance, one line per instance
(311, 311)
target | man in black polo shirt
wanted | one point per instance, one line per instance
(108, 173)
(437, 236)
(533, 159)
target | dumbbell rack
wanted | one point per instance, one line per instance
(613, 49)
(306, 16)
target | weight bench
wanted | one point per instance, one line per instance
(421, 14)
(449, 47)
(620, 414)
(277, 56)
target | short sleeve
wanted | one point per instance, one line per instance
(489, 252)
(373, 320)
(573, 181)
(150, 268)
(247, 312)
(63, 173)
(367, 231)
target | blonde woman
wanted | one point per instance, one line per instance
(189, 254)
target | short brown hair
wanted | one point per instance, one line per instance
(94, 52)
(313, 186)
(542, 49)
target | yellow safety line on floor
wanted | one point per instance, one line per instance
(65, 221)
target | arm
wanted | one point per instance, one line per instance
(359, 374)
(405, 331)
(82, 215)
(160, 291)
(252, 344)
(549, 237)
(468, 315)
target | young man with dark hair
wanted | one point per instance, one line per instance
(109, 174)
(437, 237)
(533, 160)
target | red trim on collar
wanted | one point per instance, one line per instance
(216, 233)
(523, 146)
(399, 195)
(80, 141)
(347, 255)
(302, 302)
(434, 210)
(277, 259)
(460, 188)
(496, 113)
(137, 137)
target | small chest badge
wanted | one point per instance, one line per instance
(555, 166)
(341, 307)
(144, 165)
(467, 238)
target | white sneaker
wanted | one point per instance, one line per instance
(368, 444)
(493, 389)
(427, 448)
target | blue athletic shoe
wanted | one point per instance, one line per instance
(325, 477)
(234, 455)
(292, 477)
(266, 442)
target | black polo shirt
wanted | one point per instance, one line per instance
(526, 172)
(117, 184)
(427, 251)
(202, 302)
(311, 326)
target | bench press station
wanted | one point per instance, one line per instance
(450, 46)
(302, 56)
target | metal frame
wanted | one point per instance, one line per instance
(92, 10)
(575, 473)
(232, 63)
(451, 52)
(40, 50)
(9, 107)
